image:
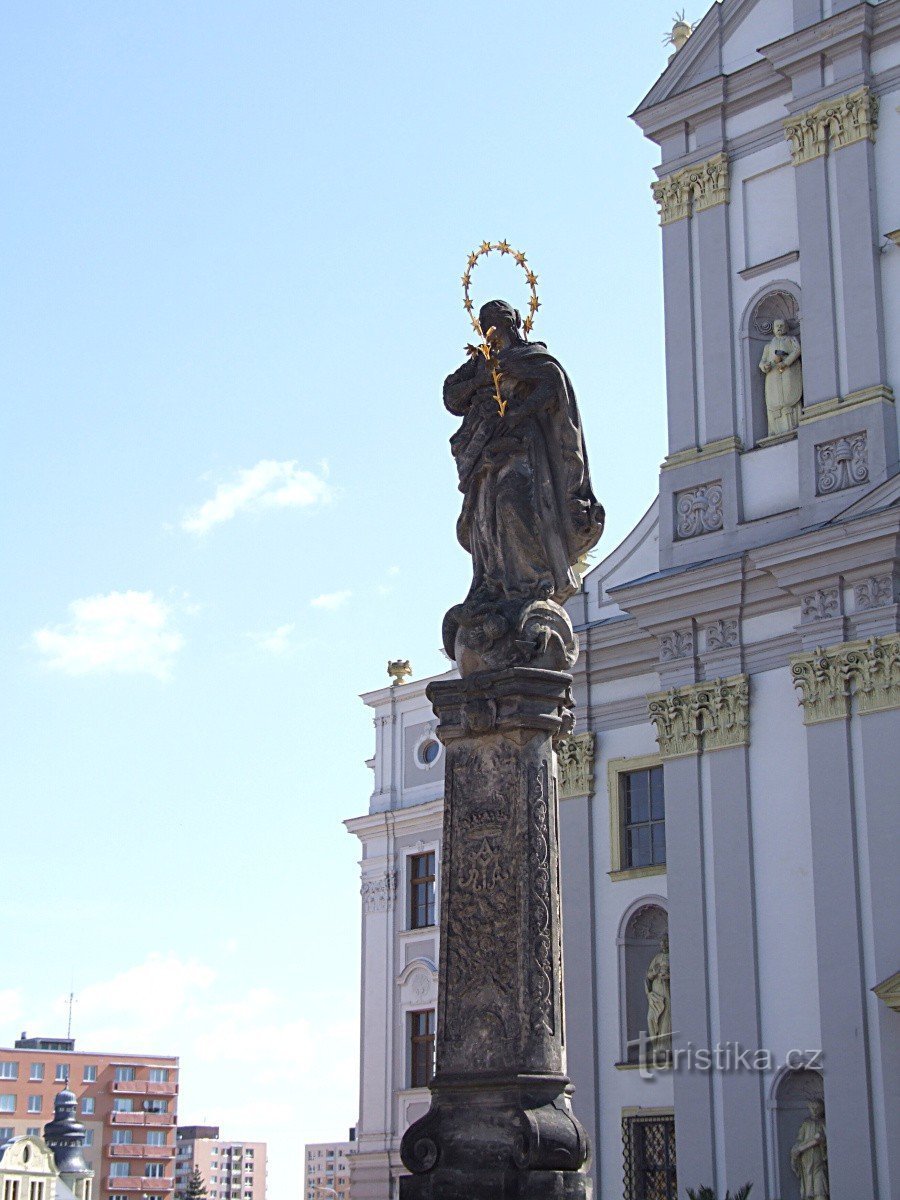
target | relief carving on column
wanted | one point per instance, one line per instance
(832, 125)
(698, 510)
(693, 189)
(868, 672)
(702, 716)
(675, 644)
(722, 634)
(575, 758)
(541, 931)
(875, 592)
(820, 605)
(377, 891)
(841, 463)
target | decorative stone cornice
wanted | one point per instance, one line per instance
(702, 716)
(889, 991)
(728, 445)
(575, 756)
(692, 189)
(832, 125)
(868, 672)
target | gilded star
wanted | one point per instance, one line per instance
(528, 324)
(531, 277)
(486, 247)
(519, 257)
(467, 305)
(473, 259)
(504, 247)
(534, 304)
(466, 279)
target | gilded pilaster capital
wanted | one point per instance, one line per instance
(702, 716)
(693, 189)
(867, 672)
(575, 757)
(832, 125)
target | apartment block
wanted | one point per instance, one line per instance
(231, 1170)
(327, 1169)
(126, 1102)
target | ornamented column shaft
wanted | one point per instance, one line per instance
(500, 1124)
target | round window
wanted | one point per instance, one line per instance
(429, 751)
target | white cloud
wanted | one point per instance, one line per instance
(126, 632)
(268, 485)
(331, 600)
(277, 642)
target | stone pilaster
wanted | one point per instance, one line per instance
(500, 1123)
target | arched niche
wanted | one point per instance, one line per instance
(775, 301)
(642, 930)
(791, 1092)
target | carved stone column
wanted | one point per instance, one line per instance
(500, 1123)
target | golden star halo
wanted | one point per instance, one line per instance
(534, 304)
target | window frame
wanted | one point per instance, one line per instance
(617, 767)
(632, 1118)
(416, 1040)
(413, 881)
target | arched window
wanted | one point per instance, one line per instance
(643, 941)
(778, 301)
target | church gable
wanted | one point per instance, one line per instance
(727, 39)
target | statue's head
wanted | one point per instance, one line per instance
(779, 327)
(504, 320)
(817, 1109)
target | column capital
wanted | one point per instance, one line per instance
(867, 671)
(692, 189)
(700, 717)
(832, 125)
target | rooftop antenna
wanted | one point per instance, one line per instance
(71, 1002)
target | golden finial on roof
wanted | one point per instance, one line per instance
(399, 670)
(680, 32)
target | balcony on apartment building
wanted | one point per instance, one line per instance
(116, 1150)
(142, 1118)
(140, 1183)
(144, 1087)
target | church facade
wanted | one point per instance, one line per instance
(728, 801)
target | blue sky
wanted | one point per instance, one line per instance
(231, 251)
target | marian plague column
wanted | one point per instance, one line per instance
(500, 1123)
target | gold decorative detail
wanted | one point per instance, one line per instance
(865, 671)
(702, 716)
(399, 670)
(485, 348)
(693, 189)
(575, 756)
(832, 125)
(680, 32)
(889, 991)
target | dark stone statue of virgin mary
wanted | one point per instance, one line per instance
(529, 515)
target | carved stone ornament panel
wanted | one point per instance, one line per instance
(832, 125)
(775, 306)
(841, 463)
(867, 672)
(702, 716)
(875, 592)
(698, 510)
(693, 189)
(377, 891)
(575, 758)
(722, 634)
(675, 644)
(820, 605)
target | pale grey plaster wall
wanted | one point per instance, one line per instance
(848, 1094)
(735, 957)
(817, 323)
(714, 291)
(694, 1129)
(681, 382)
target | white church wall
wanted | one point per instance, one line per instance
(767, 21)
(887, 168)
(782, 857)
(770, 480)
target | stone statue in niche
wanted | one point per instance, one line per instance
(659, 1002)
(529, 514)
(809, 1155)
(780, 363)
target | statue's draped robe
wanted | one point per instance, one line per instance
(659, 1006)
(784, 389)
(809, 1159)
(529, 512)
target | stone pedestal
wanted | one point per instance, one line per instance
(500, 1123)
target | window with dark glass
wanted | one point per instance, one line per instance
(643, 817)
(421, 890)
(649, 1145)
(421, 1047)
